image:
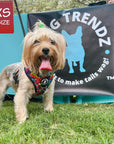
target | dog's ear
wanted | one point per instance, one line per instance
(65, 34)
(26, 49)
(79, 31)
(62, 48)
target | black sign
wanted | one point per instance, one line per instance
(89, 33)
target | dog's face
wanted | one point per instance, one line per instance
(44, 49)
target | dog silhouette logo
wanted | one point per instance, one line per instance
(75, 51)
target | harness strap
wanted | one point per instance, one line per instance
(15, 76)
(40, 83)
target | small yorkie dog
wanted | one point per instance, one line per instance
(43, 54)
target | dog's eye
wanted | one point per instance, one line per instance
(36, 41)
(52, 42)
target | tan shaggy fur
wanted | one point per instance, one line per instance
(34, 43)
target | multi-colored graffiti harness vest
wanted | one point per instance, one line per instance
(40, 83)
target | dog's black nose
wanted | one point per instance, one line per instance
(45, 51)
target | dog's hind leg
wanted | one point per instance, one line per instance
(71, 70)
(81, 65)
(4, 84)
(74, 63)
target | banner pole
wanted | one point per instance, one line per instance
(20, 17)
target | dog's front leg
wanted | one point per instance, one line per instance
(48, 97)
(21, 99)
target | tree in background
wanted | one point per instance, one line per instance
(30, 6)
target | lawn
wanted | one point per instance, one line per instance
(68, 124)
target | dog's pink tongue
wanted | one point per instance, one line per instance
(45, 65)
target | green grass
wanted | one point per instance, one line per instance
(68, 124)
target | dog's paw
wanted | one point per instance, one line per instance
(21, 122)
(21, 119)
(71, 71)
(48, 109)
(21, 115)
(82, 70)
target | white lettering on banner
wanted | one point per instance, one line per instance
(94, 23)
(75, 82)
(91, 77)
(86, 19)
(76, 16)
(4, 22)
(5, 12)
(0, 12)
(54, 24)
(101, 32)
(102, 41)
(6, 17)
(103, 65)
(66, 15)
(110, 77)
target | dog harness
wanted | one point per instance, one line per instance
(16, 76)
(40, 83)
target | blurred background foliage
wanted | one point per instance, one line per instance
(30, 6)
